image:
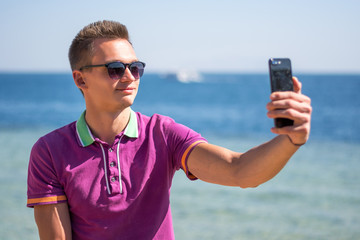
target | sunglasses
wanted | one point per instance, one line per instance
(117, 69)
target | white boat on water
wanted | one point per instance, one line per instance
(188, 76)
(184, 76)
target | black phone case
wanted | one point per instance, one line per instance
(281, 80)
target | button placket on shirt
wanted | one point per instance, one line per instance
(114, 172)
(112, 163)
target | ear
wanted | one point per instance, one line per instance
(79, 80)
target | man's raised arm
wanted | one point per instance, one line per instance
(218, 165)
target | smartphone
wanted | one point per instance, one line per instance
(281, 80)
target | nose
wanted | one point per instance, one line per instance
(127, 77)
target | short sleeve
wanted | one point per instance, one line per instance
(182, 140)
(43, 183)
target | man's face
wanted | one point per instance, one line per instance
(101, 91)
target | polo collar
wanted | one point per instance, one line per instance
(86, 138)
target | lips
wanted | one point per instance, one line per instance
(127, 90)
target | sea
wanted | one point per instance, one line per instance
(316, 195)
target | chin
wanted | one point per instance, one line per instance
(127, 102)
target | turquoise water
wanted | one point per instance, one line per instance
(316, 196)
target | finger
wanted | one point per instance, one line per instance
(297, 85)
(300, 106)
(295, 130)
(280, 131)
(298, 117)
(276, 96)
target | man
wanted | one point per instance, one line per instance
(108, 175)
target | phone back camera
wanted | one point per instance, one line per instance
(274, 62)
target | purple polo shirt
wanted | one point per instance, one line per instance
(119, 191)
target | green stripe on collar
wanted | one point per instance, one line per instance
(131, 130)
(83, 131)
(86, 138)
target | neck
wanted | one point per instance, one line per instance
(106, 125)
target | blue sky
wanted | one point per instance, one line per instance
(211, 36)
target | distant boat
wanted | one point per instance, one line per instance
(184, 76)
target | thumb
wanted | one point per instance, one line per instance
(297, 85)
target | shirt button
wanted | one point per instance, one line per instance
(112, 164)
(110, 150)
(113, 179)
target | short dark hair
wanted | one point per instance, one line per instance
(82, 47)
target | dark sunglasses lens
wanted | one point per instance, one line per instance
(137, 69)
(116, 70)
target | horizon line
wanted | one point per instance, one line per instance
(201, 72)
